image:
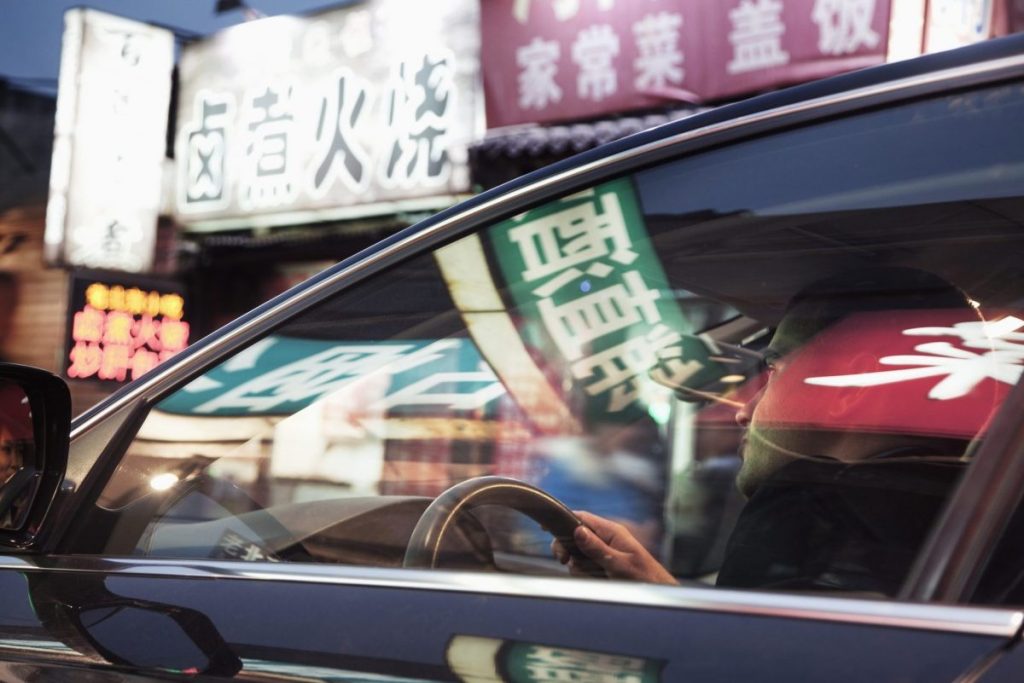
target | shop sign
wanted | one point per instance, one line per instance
(109, 142)
(955, 23)
(120, 329)
(550, 60)
(475, 658)
(343, 113)
(281, 375)
(592, 294)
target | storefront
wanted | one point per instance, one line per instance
(562, 77)
(293, 142)
(300, 141)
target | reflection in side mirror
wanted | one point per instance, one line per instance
(35, 418)
(18, 479)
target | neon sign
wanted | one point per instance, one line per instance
(120, 331)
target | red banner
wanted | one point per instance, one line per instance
(552, 60)
(936, 373)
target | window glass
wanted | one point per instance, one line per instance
(769, 363)
(17, 455)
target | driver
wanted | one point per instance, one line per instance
(829, 506)
(15, 445)
(10, 453)
(15, 430)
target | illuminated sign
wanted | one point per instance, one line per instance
(121, 330)
(109, 142)
(346, 112)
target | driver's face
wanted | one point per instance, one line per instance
(766, 447)
(10, 458)
(763, 450)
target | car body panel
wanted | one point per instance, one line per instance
(397, 625)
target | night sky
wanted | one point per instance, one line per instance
(30, 30)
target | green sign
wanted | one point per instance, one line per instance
(527, 663)
(280, 375)
(592, 292)
(476, 659)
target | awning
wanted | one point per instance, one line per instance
(507, 153)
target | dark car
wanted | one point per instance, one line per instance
(771, 352)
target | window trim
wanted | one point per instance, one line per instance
(956, 552)
(884, 613)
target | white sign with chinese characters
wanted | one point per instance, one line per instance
(955, 23)
(109, 142)
(354, 111)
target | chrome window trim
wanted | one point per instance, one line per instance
(980, 621)
(514, 201)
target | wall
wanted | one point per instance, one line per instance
(34, 300)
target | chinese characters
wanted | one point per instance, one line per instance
(339, 154)
(756, 36)
(122, 333)
(340, 136)
(587, 275)
(844, 25)
(988, 353)
(579, 58)
(205, 152)
(418, 117)
(277, 375)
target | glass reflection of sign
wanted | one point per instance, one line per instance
(121, 330)
(927, 372)
(343, 111)
(474, 658)
(587, 281)
(281, 375)
(955, 23)
(109, 142)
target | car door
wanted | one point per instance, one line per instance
(596, 331)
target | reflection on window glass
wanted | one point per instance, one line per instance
(775, 391)
(17, 455)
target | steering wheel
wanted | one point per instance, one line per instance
(425, 542)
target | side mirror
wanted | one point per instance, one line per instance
(35, 421)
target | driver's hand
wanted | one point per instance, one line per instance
(615, 549)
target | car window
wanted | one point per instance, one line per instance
(769, 363)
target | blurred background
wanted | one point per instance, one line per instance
(167, 165)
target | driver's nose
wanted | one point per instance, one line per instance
(746, 413)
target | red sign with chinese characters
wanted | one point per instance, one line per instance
(552, 60)
(121, 330)
(936, 373)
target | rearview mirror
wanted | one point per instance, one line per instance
(35, 418)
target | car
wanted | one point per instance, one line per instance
(766, 357)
